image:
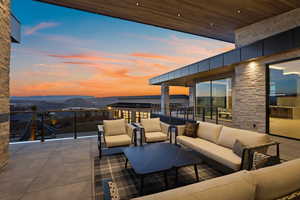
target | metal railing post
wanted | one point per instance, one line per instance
(217, 115)
(75, 125)
(203, 115)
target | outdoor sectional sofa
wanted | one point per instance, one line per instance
(268, 183)
(216, 142)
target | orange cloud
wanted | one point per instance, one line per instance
(149, 55)
(86, 57)
(106, 74)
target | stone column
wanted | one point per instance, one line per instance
(165, 100)
(4, 79)
(192, 95)
(192, 99)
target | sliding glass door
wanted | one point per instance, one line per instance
(284, 99)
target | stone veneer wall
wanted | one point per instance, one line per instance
(249, 92)
(4, 80)
(267, 28)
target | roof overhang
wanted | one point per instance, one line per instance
(217, 19)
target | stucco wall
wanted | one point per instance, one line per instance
(4, 80)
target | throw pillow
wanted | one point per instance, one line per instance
(238, 148)
(190, 129)
(293, 196)
(261, 160)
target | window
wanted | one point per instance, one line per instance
(213, 96)
(284, 99)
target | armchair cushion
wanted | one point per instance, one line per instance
(164, 127)
(155, 136)
(114, 127)
(117, 140)
(151, 125)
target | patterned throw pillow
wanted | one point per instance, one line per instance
(293, 196)
(238, 148)
(191, 129)
(114, 194)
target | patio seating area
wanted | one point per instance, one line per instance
(64, 169)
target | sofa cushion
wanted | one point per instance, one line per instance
(209, 131)
(228, 137)
(237, 186)
(277, 181)
(190, 129)
(117, 140)
(114, 127)
(155, 136)
(216, 152)
(151, 125)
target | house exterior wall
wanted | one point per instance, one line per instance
(249, 92)
(267, 28)
(4, 80)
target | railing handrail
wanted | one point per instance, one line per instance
(48, 111)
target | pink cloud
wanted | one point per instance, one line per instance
(40, 26)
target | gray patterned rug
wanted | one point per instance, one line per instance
(113, 167)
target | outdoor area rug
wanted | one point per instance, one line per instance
(113, 167)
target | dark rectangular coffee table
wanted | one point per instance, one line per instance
(159, 157)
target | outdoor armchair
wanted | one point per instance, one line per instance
(153, 130)
(115, 133)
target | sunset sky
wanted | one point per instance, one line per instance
(70, 52)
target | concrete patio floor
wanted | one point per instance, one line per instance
(51, 170)
(60, 170)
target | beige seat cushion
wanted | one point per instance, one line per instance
(216, 152)
(151, 125)
(228, 137)
(155, 136)
(209, 131)
(114, 127)
(237, 186)
(277, 181)
(117, 140)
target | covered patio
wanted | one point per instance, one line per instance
(64, 169)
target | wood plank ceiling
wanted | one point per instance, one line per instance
(210, 18)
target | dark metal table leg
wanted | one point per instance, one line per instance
(141, 185)
(196, 172)
(126, 162)
(166, 179)
(176, 175)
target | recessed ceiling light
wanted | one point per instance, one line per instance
(178, 14)
(238, 11)
(137, 4)
(211, 24)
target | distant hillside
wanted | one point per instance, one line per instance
(47, 98)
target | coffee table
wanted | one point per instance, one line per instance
(159, 157)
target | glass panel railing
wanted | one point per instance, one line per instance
(86, 122)
(21, 126)
(55, 124)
